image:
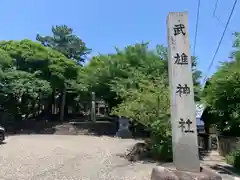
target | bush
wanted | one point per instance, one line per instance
(162, 152)
(233, 158)
(147, 103)
(161, 145)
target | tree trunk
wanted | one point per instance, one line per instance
(52, 103)
(63, 104)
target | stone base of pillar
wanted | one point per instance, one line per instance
(124, 133)
(163, 173)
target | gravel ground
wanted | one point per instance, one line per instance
(48, 157)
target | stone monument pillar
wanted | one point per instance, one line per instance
(183, 115)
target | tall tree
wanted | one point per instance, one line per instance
(64, 41)
(102, 70)
(29, 73)
(222, 94)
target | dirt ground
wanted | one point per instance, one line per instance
(62, 157)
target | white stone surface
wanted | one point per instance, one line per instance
(182, 99)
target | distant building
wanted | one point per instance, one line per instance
(199, 122)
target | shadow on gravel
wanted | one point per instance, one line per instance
(33, 127)
(203, 153)
(222, 169)
(2, 143)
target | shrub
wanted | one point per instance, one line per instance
(233, 158)
(161, 145)
(148, 104)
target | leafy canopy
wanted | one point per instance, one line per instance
(222, 94)
(29, 72)
(63, 40)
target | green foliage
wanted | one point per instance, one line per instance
(161, 151)
(103, 70)
(222, 96)
(145, 100)
(135, 83)
(22, 92)
(133, 80)
(73, 48)
(29, 73)
(5, 60)
(44, 62)
(63, 40)
(233, 159)
(136, 78)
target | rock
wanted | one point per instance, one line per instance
(140, 151)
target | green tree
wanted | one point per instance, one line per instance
(147, 103)
(103, 69)
(64, 41)
(23, 93)
(44, 62)
(221, 95)
(29, 73)
(135, 82)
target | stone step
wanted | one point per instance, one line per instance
(65, 129)
(211, 156)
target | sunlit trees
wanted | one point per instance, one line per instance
(222, 95)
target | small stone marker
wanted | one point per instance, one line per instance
(183, 118)
(93, 108)
(123, 130)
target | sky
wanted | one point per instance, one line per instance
(105, 24)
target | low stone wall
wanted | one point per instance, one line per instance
(86, 128)
(96, 128)
(228, 144)
(101, 127)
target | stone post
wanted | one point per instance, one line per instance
(93, 108)
(183, 115)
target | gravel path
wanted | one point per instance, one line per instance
(48, 157)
